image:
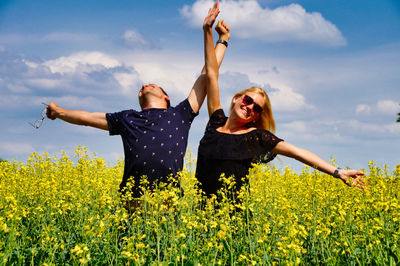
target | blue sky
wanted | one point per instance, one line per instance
(331, 68)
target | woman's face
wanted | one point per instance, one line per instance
(248, 107)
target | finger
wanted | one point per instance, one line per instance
(346, 181)
(361, 178)
(360, 186)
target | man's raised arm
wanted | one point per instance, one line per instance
(199, 90)
(83, 118)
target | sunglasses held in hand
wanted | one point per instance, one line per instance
(38, 122)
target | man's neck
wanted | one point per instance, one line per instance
(154, 105)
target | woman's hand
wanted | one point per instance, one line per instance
(211, 16)
(353, 178)
(223, 30)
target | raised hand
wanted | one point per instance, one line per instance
(223, 30)
(353, 178)
(211, 16)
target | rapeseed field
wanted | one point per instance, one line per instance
(62, 210)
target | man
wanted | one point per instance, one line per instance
(155, 138)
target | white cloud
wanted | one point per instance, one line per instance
(388, 107)
(133, 38)
(82, 61)
(363, 108)
(128, 81)
(392, 128)
(82, 72)
(175, 76)
(385, 107)
(286, 23)
(15, 88)
(285, 99)
(44, 83)
(75, 101)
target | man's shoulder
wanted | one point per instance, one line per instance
(127, 111)
(122, 115)
(184, 107)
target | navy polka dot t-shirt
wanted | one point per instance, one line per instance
(154, 141)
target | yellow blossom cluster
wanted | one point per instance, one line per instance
(67, 210)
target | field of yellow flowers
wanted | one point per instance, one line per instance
(62, 210)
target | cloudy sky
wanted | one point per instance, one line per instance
(331, 68)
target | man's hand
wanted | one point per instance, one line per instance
(223, 30)
(211, 16)
(51, 111)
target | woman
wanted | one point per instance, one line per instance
(231, 144)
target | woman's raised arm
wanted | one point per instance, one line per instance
(211, 64)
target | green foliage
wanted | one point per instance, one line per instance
(398, 119)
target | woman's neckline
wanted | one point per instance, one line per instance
(236, 134)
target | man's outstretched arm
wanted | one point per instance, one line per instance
(199, 90)
(83, 118)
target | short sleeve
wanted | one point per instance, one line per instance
(268, 142)
(186, 110)
(115, 123)
(217, 119)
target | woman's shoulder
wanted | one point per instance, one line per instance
(267, 138)
(217, 119)
(218, 114)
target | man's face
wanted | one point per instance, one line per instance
(151, 93)
(150, 88)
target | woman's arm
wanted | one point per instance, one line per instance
(83, 118)
(199, 89)
(211, 64)
(349, 177)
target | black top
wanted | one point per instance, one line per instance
(231, 154)
(154, 141)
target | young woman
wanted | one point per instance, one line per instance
(231, 144)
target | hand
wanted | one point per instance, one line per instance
(211, 16)
(223, 30)
(51, 111)
(353, 178)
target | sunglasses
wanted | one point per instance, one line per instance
(247, 100)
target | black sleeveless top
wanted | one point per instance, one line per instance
(231, 154)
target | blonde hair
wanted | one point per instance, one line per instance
(266, 120)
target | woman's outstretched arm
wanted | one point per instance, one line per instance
(349, 177)
(211, 64)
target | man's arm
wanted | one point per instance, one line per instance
(199, 90)
(83, 118)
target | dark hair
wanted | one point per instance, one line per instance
(168, 102)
